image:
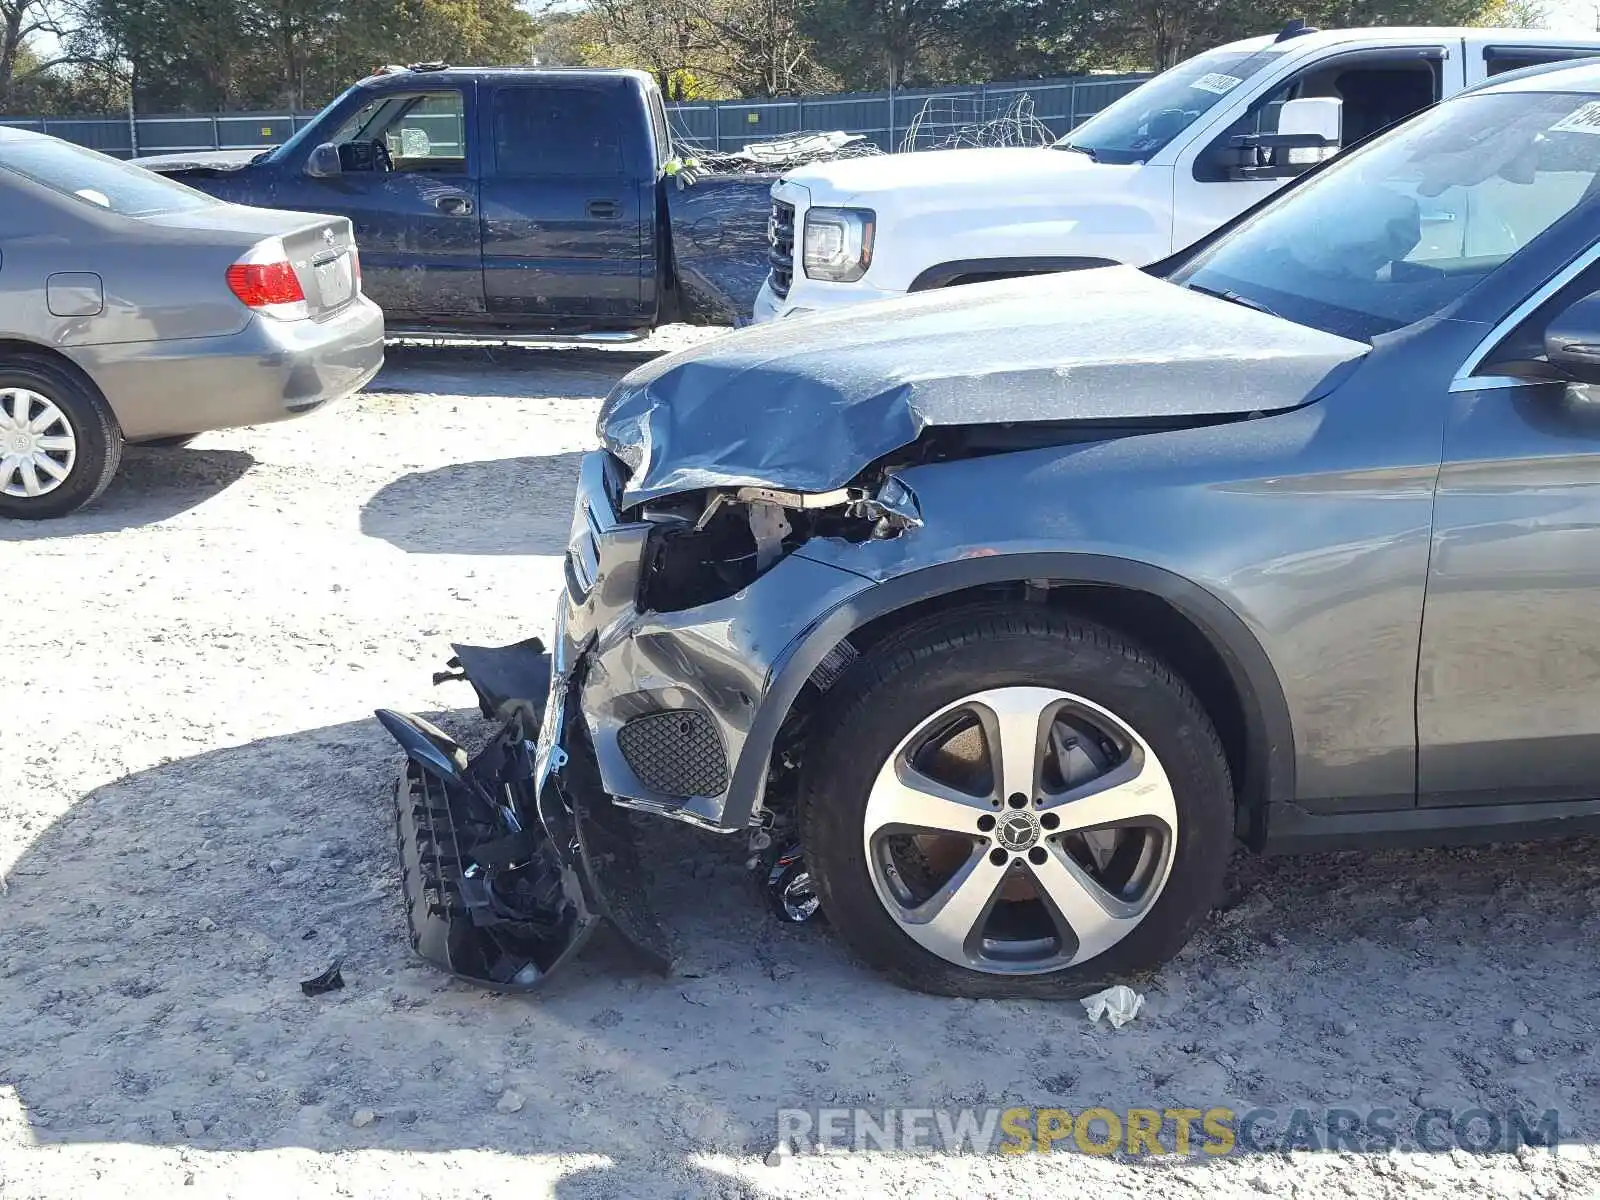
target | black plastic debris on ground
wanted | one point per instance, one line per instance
(329, 981)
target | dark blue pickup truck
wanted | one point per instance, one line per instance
(513, 201)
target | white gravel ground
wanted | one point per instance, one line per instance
(193, 799)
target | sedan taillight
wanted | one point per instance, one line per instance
(264, 280)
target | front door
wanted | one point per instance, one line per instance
(1508, 695)
(564, 227)
(408, 185)
(1376, 89)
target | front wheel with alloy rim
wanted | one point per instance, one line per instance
(1014, 802)
(59, 443)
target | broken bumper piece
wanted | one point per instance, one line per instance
(513, 859)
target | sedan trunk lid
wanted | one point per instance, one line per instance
(320, 248)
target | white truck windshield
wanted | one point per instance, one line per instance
(1133, 128)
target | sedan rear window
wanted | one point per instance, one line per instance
(95, 178)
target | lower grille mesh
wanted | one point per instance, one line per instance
(675, 753)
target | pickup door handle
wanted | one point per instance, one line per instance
(454, 206)
(604, 210)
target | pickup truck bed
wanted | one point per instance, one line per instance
(513, 202)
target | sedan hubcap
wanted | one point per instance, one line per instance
(1020, 830)
(37, 446)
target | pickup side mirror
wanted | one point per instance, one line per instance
(1308, 133)
(1572, 341)
(323, 162)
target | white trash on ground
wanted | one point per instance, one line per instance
(1119, 1005)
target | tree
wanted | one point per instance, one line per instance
(1513, 14)
(21, 23)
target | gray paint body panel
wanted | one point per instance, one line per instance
(807, 403)
(173, 351)
(1396, 572)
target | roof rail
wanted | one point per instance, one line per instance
(428, 66)
(1295, 28)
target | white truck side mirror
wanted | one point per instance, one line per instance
(1313, 117)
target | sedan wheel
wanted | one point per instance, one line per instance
(1009, 801)
(59, 442)
(1020, 830)
(38, 448)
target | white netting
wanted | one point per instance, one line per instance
(770, 154)
(967, 122)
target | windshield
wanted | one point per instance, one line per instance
(1133, 128)
(95, 178)
(306, 132)
(1406, 226)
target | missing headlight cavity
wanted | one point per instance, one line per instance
(705, 546)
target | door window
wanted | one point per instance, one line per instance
(1497, 60)
(555, 131)
(425, 132)
(1375, 91)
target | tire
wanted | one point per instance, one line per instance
(84, 418)
(1121, 699)
(176, 442)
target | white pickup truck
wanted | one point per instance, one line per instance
(1156, 170)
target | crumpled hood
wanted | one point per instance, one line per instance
(217, 160)
(805, 404)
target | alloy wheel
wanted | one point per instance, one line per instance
(1020, 830)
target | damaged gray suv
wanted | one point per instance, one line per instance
(994, 617)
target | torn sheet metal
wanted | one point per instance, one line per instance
(807, 403)
(201, 160)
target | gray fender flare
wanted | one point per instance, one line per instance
(1269, 731)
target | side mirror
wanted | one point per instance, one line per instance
(1572, 341)
(1308, 132)
(323, 162)
(1317, 120)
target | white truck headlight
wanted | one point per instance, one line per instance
(838, 243)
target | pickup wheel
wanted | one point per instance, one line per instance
(59, 442)
(1014, 802)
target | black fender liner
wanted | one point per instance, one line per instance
(1269, 731)
(943, 274)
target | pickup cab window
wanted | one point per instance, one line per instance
(418, 132)
(1400, 230)
(1376, 90)
(556, 131)
(1147, 118)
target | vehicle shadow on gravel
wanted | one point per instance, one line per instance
(500, 506)
(505, 370)
(153, 940)
(152, 485)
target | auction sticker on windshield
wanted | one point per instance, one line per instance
(1584, 120)
(1216, 82)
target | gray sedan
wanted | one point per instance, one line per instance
(134, 309)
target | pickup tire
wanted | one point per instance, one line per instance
(934, 864)
(60, 444)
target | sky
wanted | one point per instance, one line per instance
(1572, 16)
